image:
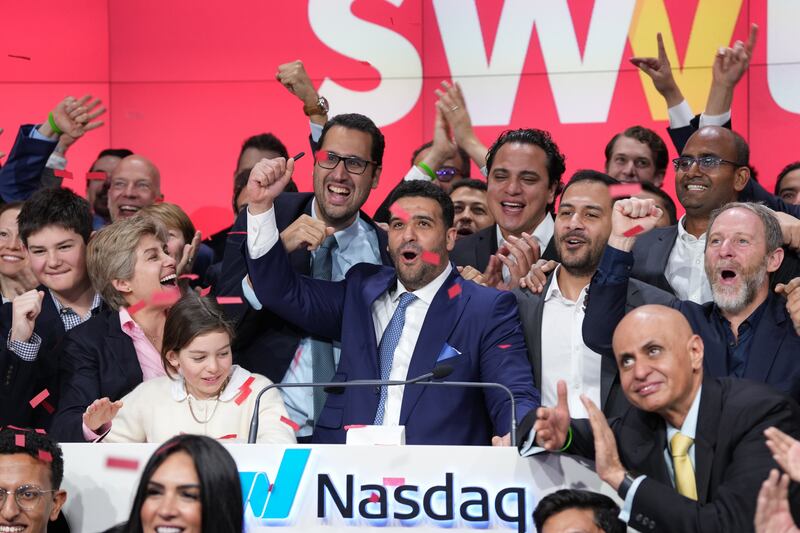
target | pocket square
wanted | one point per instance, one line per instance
(447, 352)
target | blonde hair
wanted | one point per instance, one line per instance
(170, 216)
(111, 255)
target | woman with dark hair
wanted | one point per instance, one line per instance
(190, 484)
(203, 392)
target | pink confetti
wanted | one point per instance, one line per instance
(374, 498)
(96, 176)
(430, 257)
(19, 440)
(399, 212)
(237, 233)
(189, 276)
(244, 391)
(168, 297)
(39, 398)
(454, 290)
(291, 423)
(354, 426)
(204, 292)
(504, 346)
(40, 431)
(122, 464)
(222, 300)
(625, 189)
(63, 174)
(633, 231)
(45, 456)
(138, 306)
(228, 436)
(393, 481)
(47, 407)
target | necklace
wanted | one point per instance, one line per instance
(216, 402)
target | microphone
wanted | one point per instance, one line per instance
(337, 387)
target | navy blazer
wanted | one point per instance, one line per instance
(21, 176)
(97, 360)
(21, 380)
(774, 349)
(476, 249)
(481, 323)
(264, 342)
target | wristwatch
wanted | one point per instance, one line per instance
(625, 486)
(319, 108)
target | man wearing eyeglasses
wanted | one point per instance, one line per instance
(31, 470)
(713, 170)
(325, 234)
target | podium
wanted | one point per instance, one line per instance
(327, 488)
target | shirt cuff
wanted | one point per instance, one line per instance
(262, 233)
(250, 295)
(90, 435)
(529, 447)
(615, 267)
(316, 131)
(627, 506)
(715, 120)
(680, 115)
(56, 162)
(39, 137)
(416, 173)
(27, 351)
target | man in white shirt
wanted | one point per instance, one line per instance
(696, 444)
(399, 323)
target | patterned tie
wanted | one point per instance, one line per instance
(684, 471)
(323, 366)
(389, 341)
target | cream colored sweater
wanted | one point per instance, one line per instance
(159, 409)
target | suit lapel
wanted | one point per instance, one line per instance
(442, 316)
(121, 349)
(767, 340)
(538, 314)
(645, 445)
(706, 436)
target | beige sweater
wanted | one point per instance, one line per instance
(159, 409)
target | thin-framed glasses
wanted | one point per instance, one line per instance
(26, 496)
(706, 163)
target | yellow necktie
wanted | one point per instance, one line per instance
(684, 471)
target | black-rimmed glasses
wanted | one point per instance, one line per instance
(354, 165)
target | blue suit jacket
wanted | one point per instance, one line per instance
(773, 357)
(481, 323)
(21, 176)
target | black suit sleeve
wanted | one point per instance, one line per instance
(80, 386)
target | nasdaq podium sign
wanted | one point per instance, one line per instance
(346, 488)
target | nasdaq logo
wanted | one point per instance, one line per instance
(275, 503)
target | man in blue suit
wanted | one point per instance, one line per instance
(746, 329)
(399, 322)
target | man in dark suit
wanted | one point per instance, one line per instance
(421, 312)
(524, 176)
(347, 168)
(55, 226)
(582, 227)
(695, 443)
(746, 329)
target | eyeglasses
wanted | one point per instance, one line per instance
(446, 174)
(706, 163)
(27, 497)
(354, 165)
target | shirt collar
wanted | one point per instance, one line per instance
(751, 321)
(554, 291)
(97, 301)
(127, 323)
(542, 233)
(344, 236)
(685, 236)
(689, 427)
(426, 293)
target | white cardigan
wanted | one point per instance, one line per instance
(158, 409)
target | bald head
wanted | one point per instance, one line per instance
(135, 183)
(660, 361)
(727, 140)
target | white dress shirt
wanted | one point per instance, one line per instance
(382, 310)
(564, 354)
(685, 270)
(542, 233)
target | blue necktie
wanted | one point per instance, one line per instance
(389, 341)
(323, 366)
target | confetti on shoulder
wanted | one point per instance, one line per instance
(454, 290)
(63, 174)
(39, 398)
(504, 346)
